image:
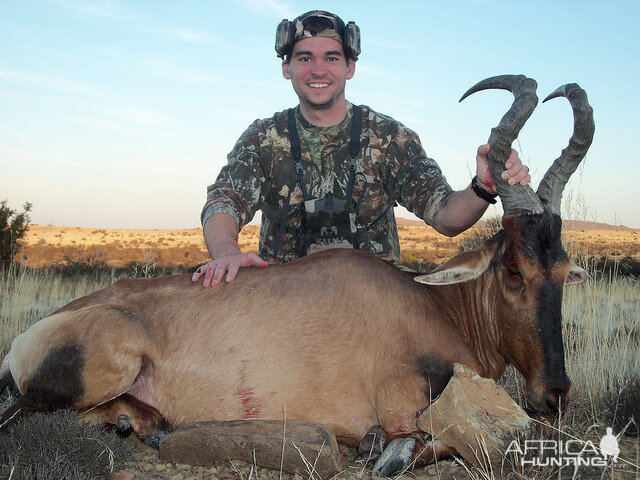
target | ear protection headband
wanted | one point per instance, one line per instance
(287, 36)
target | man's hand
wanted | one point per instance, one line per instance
(230, 264)
(515, 172)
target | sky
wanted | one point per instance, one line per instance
(118, 114)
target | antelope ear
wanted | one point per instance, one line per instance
(576, 275)
(461, 268)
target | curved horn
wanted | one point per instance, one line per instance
(515, 198)
(554, 181)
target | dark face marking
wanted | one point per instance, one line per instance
(549, 325)
(541, 241)
(436, 372)
(534, 250)
(536, 236)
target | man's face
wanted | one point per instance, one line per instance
(318, 71)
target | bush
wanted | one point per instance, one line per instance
(481, 232)
(56, 446)
(82, 261)
(13, 226)
(624, 407)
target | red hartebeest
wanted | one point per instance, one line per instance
(339, 337)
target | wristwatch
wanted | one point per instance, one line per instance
(481, 192)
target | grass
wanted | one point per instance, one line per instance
(27, 295)
(601, 332)
(60, 446)
(602, 327)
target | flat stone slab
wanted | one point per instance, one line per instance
(308, 447)
(475, 416)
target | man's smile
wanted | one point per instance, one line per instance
(318, 70)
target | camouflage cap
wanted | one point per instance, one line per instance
(318, 23)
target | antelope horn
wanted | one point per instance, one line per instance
(554, 181)
(515, 198)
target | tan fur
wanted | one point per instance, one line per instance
(254, 348)
(461, 268)
(333, 338)
(143, 420)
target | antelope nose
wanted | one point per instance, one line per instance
(557, 397)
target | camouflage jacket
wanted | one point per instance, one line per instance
(392, 166)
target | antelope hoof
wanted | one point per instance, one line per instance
(371, 445)
(153, 439)
(124, 423)
(396, 458)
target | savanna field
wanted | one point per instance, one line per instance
(601, 331)
(46, 245)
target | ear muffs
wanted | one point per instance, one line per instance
(284, 38)
(351, 40)
(350, 34)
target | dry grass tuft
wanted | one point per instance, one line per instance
(59, 446)
(29, 295)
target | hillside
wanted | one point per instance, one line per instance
(566, 225)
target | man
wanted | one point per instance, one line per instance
(327, 174)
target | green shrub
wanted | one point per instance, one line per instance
(13, 226)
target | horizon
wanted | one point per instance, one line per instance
(117, 115)
(571, 223)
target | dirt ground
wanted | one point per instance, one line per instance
(145, 464)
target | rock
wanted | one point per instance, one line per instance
(476, 417)
(209, 442)
(121, 475)
(447, 470)
(228, 475)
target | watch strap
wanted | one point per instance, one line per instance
(481, 192)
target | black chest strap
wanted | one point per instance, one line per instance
(296, 153)
(354, 148)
